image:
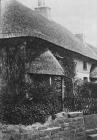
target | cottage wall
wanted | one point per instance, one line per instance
(80, 72)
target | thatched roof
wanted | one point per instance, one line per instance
(18, 20)
(45, 63)
(93, 48)
(93, 73)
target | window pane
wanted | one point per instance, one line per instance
(85, 79)
(85, 65)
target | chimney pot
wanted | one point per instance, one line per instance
(43, 10)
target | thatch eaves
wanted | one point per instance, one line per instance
(17, 20)
(46, 64)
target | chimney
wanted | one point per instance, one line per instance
(43, 9)
(81, 37)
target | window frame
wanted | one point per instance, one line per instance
(84, 65)
(85, 79)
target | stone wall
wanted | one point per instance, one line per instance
(64, 127)
(90, 121)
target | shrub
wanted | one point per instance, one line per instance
(28, 112)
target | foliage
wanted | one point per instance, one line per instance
(24, 114)
(86, 105)
(81, 89)
(68, 65)
(93, 88)
(29, 112)
(42, 100)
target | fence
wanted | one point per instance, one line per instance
(86, 105)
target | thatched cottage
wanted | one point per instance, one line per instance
(33, 48)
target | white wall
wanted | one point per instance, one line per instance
(80, 72)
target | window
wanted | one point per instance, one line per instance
(85, 79)
(85, 65)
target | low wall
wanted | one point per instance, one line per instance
(90, 121)
(64, 127)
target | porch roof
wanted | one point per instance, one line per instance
(46, 63)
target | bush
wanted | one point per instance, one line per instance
(28, 112)
(81, 89)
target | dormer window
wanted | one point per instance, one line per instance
(85, 65)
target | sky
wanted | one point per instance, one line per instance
(79, 16)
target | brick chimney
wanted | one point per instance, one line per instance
(43, 9)
(81, 37)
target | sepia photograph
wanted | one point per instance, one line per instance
(48, 69)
